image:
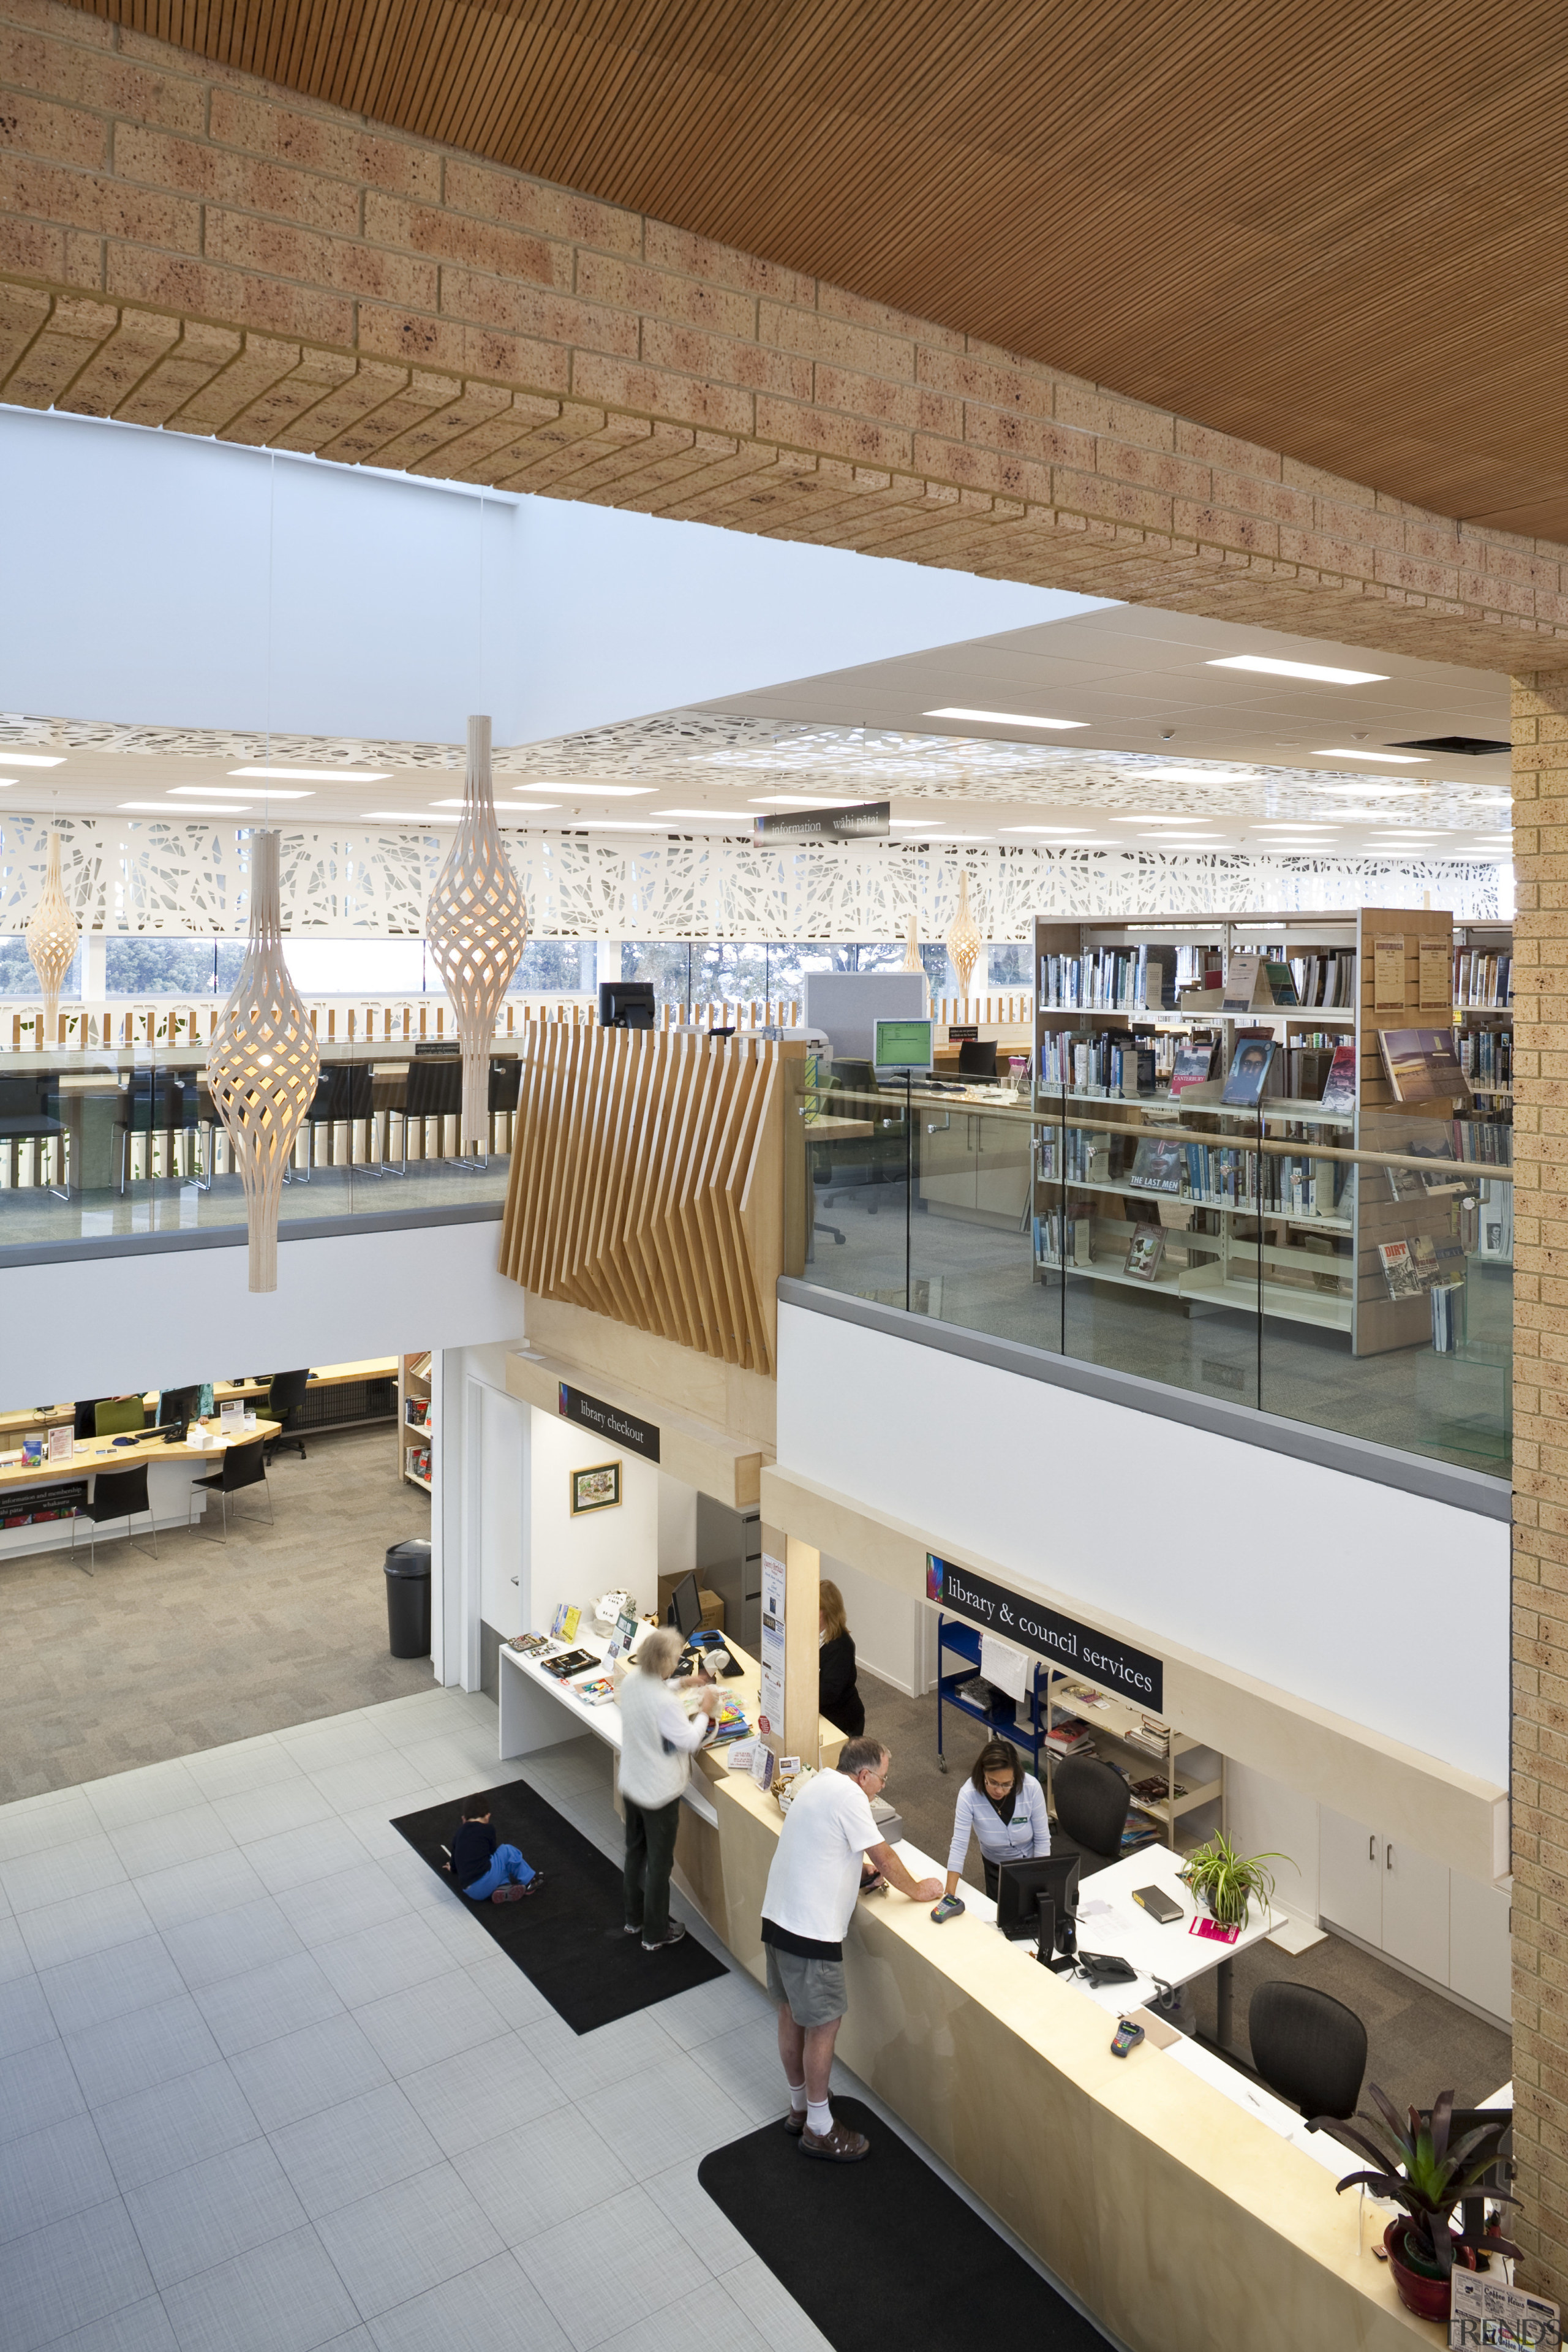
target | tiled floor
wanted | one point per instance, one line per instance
(265, 2085)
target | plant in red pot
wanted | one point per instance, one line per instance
(1427, 2174)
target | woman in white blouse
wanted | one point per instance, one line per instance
(1005, 1807)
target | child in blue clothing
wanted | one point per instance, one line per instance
(485, 1870)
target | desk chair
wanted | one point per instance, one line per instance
(29, 1113)
(977, 1057)
(86, 1421)
(1307, 2047)
(343, 1092)
(113, 1416)
(285, 1398)
(116, 1494)
(1091, 1803)
(243, 1465)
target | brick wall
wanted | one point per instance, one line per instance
(186, 246)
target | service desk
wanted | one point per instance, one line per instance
(172, 1471)
(1183, 2215)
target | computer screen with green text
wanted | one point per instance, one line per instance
(902, 1045)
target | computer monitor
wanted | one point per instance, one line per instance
(1020, 1884)
(977, 1057)
(625, 1004)
(902, 1045)
(685, 1608)
(176, 1410)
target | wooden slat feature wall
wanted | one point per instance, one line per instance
(1385, 1124)
(649, 1184)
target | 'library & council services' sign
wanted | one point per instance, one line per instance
(1099, 1657)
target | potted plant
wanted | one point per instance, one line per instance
(1423, 2172)
(1225, 1882)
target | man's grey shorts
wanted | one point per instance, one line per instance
(810, 1990)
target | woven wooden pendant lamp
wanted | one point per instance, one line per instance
(475, 928)
(913, 949)
(51, 934)
(963, 941)
(263, 1064)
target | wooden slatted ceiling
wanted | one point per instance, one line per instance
(1334, 230)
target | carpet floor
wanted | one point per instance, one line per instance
(567, 1940)
(151, 1659)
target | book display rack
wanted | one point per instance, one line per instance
(1084, 1720)
(415, 1420)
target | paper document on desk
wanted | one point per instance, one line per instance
(1005, 1667)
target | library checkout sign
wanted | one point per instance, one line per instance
(1099, 1657)
(608, 1422)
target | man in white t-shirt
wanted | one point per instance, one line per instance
(829, 1834)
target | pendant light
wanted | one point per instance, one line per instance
(263, 1064)
(51, 933)
(475, 928)
(963, 941)
(913, 949)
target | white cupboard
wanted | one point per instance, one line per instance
(1450, 1929)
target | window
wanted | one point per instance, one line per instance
(1008, 967)
(569, 965)
(17, 977)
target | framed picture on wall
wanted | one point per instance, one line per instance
(598, 1489)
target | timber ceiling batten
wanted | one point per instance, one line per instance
(1337, 232)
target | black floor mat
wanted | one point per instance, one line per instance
(833, 2235)
(567, 1938)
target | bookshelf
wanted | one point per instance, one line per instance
(415, 1420)
(1143, 1746)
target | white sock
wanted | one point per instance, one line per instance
(797, 2097)
(819, 2117)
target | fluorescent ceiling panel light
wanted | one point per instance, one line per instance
(318, 775)
(611, 825)
(221, 792)
(1199, 775)
(1375, 788)
(709, 816)
(32, 758)
(516, 808)
(191, 808)
(1004, 717)
(7, 781)
(1062, 832)
(803, 800)
(1317, 670)
(1383, 759)
(1163, 816)
(403, 816)
(590, 791)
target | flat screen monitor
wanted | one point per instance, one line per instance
(902, 1045)
(685, 1608)
(176, 1410)
(625, 1004)
(1020, 1884)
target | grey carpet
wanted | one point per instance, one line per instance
(155, 1658)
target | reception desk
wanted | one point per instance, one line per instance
(172, 1471)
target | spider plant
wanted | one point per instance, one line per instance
(1427, 2175)
(1226, 1882)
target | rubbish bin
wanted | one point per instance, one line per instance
(408, 1598)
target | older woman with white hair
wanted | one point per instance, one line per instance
(659, 1740)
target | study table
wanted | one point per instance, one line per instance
(33, 1420)
(171, 1472)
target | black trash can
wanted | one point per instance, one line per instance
(408, 1598)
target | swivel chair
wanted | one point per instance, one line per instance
(1091, 1803)
(115, 1416)
(243, 1465)
(116, 1494)
(1309, 2047)
(285, 1400)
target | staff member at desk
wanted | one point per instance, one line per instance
(838, 1692)
(1004, 1808)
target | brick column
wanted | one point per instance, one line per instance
(1540, 1477)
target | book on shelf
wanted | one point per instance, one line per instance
(1448, 1306)
(1338, 1090)
(1420, 1065)
(1399, 1270)
(1145, 1251)
(1245, 984)
(1403, 1184)
(1480, 979)
(1152, 1738)
(1155, 1789)
(1281, 983)
(1158, 1164)
(417, 1368)
(1325, 979)
(1194, 1066)
(1249, 1072)
(1068, 1736)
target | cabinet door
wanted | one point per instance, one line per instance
(1416, 1910)
(1479, 1956)
(1002, 1165)
(947, 1160)
(1350, 1890)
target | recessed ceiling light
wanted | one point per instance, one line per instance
(221, 792)
(590, 791)
(802, 801)
(611, 825)
(1324, 675)
(5, 782)
(732, 817)
(191, 808)
(1383, 759)
(318, 775)
(1004, 717)
(1059, 832)
(401, 817)
(1163, 817)
(31, 759)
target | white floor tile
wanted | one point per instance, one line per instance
(37, 1824)
(267, 2002)
(687, 2206)
(429, 2022)
(542, 2175)
(68, 2275)
(141, 1795)
(83, 1993)
(242, 1766)
(199, 1890)
(323, 1909)
(339, 1739)
(169, 2041)
(212, 2210)
(493, 2308)
(450, 1757)
(193, 1835)
(657, 2117)
(371, 1824)
(582, 2063)
(282, 1804)
(384, 1959)
(159, 2131)
(364, 2144)
(40, 2087)
(137, 2328)
(15, 1959)
(57, 1872)
(494, 2087)
(630, 2277)
(295, 1856)
(231, 1943)
(282, 2297)
(708, 2011)
(388, 1779)
(84, 1924)
(706, 2308)
(513, 1997)
(404, 2239)
(752, 2287)
(51, 2174)
(300, 2074)
(25, 2017)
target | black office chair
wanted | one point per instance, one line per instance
(86, 1422)
(977, 1057)
(116, 1494)
(1091, 1803)
(1309, 2047)
(285, 1401)
(30, 1113)
(243, 1465)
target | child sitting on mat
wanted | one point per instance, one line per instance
(482, 1867)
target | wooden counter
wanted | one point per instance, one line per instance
(30, 1422)
(94, 1454)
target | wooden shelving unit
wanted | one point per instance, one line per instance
(415, 1420)
(1109, 1720)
